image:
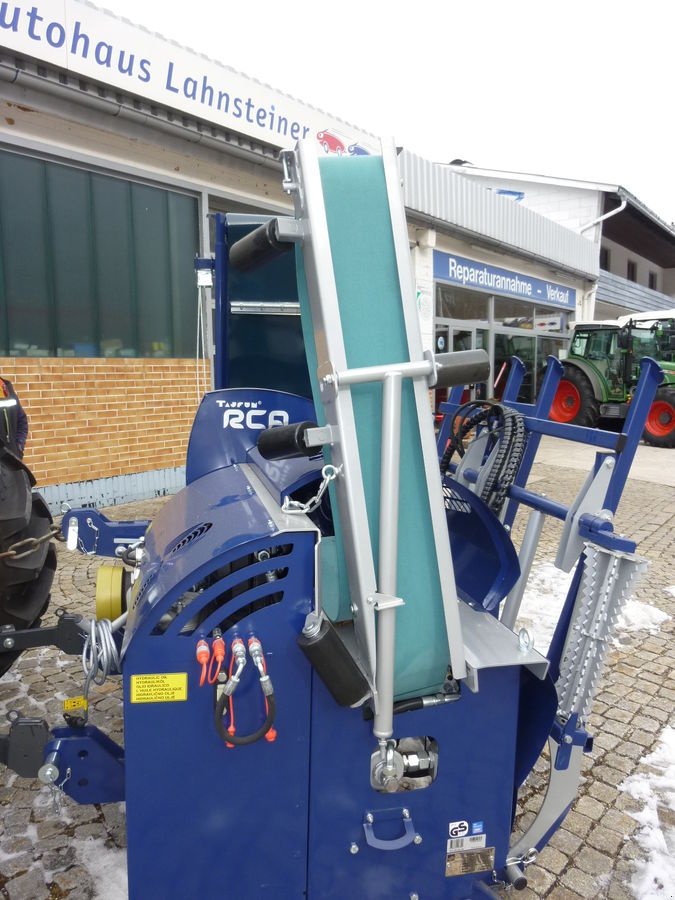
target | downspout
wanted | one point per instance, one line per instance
(607, 215)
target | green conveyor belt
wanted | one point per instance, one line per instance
(371, 312)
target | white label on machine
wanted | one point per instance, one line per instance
(471, 842)
(458, 829)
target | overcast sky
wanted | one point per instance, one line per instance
(573, 89)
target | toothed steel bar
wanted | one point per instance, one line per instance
(608, 580)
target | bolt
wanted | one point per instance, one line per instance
(48, 773)
(8, 643)
(405, 813)
(414, 897)
(568, 738)
(417, 839)
(369, 818)
(354, 849)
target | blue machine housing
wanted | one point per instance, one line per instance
(202, 571)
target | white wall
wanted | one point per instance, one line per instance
(568, 206)
(618, 262)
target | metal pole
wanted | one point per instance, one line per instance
(526, 557)
(388, 550)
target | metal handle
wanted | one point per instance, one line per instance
(396, 843)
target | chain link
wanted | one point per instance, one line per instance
(526, 859)
(293, 507)
(17, 551)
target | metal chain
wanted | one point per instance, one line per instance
(32, 544)
(526, 859)
(329, 473)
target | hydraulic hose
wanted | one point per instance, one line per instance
(237, 739)
(506, 431)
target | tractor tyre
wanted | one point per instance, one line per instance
(574, 402)
(660, 426)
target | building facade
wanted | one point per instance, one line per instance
(116, 146)
(492, 274)
(635, 249)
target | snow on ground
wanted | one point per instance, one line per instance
(654, 878)
(545, 595)
(543, 599)
(636, 616)
(107, 867)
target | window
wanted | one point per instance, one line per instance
(456, 303)
(631, 270)
(93, 265)
(604, 258)
(653, 281)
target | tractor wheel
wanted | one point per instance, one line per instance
(660, 426)
(574, 402)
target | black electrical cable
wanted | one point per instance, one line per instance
(240, 740)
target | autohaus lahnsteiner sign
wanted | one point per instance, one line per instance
(91, 42)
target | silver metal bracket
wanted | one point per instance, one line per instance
(381, 602)
(590, 499)
(315, 437)
(290, 230)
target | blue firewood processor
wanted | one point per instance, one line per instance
(324, 695)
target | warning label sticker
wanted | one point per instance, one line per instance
(466, 862)
(72, 703)
(169, 687)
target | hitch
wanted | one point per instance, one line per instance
(67, 635)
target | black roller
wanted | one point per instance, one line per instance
(286, 441)
(258, 247)
(334, 663)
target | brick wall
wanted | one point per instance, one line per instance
(96, 418)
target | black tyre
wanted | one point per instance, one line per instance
(25, 582)
(660, 425)
(574, 402)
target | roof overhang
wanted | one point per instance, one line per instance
(638, 229)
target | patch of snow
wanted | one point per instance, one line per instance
(654, 877)
(670, 590)
(543, 600)
(107, 867)
(545, 595)
(637, 616)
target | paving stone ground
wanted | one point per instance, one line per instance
(45, 854)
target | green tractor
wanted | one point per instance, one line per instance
(602, 367)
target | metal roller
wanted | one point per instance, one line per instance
(462, 367)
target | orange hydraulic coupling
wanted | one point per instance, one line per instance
(218, 650)
(203, 653)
